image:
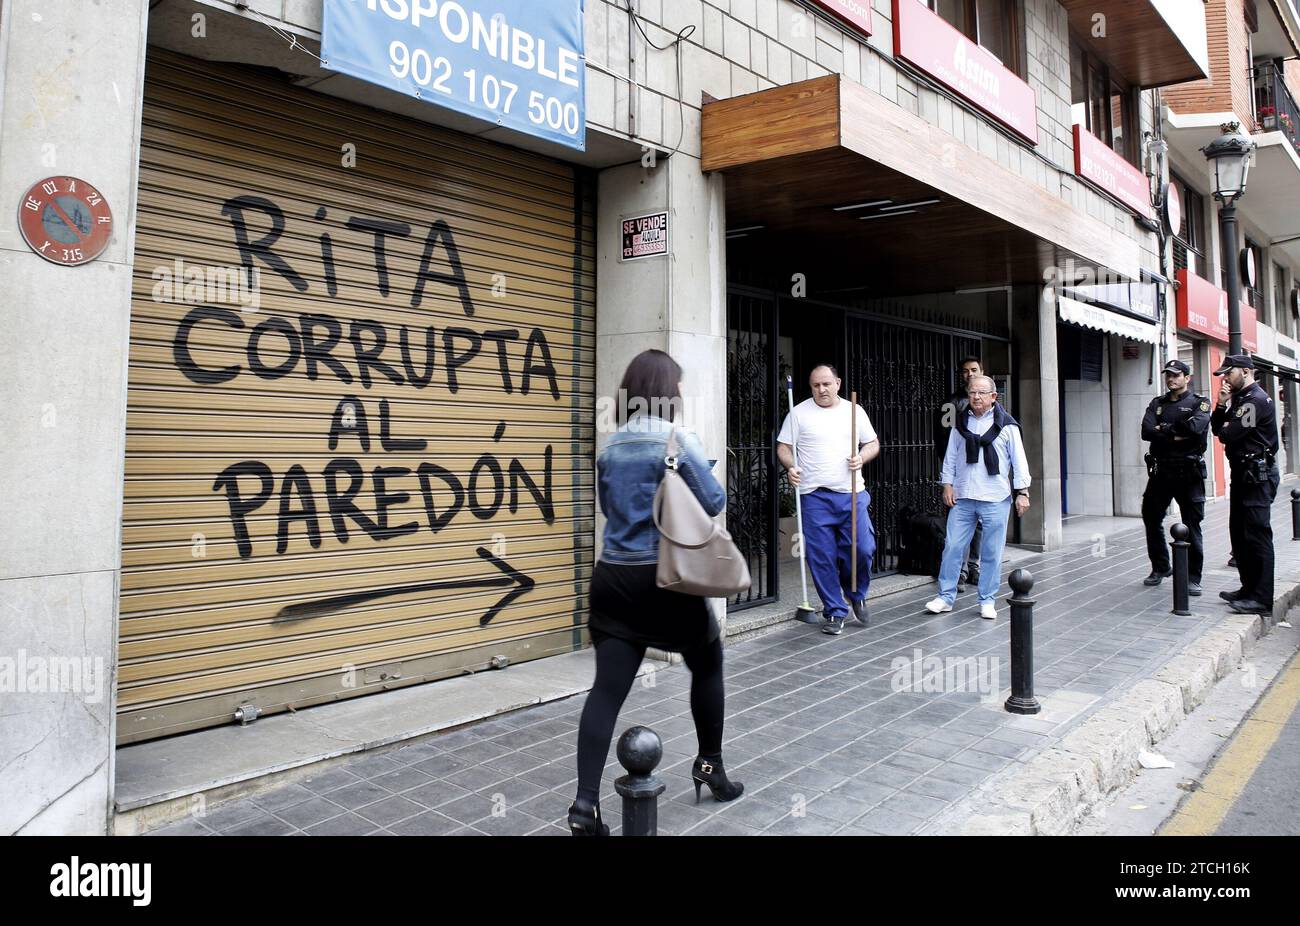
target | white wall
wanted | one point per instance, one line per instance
(1132, 386)
(69, 105)
(1088, 486)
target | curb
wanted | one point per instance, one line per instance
(1048, 795)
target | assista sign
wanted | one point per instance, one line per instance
(1203, 308)
(925, 40)
(856, 14)
(1094, 160)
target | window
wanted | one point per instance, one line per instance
(994, 24)
(1189, 243)
(1102, 103)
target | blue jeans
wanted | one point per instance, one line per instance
(827, 544)
(961, 527)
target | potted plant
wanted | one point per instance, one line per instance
(1266, 117)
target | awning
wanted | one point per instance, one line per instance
(1278, 369)
(890, 196)
(1091, 315)
(1151, 42)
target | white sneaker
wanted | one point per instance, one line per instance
(937, 606)
(988, 612)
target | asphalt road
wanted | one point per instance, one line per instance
(1253, 789)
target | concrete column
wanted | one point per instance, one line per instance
(1034, 327)
(676, 303)
(70, 88)
(1130, 393)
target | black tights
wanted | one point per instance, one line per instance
(616, 664)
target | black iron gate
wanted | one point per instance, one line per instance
(751, 433)
(902, 375)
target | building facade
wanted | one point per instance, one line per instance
(321, 421)
(1253, 82)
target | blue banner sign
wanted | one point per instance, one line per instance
(516, 63)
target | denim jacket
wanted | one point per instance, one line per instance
(629, 470)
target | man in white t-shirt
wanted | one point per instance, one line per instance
(821, 427)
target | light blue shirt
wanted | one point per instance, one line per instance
(973, 480)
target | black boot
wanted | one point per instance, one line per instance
(584, 819)
(710, 772)
(1157, 576)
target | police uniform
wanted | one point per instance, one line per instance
(1247, 426)
(1177, 428)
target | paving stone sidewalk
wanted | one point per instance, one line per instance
(817, 726)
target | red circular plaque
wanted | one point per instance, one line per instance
(65, 220)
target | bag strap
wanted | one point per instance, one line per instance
(671, 450)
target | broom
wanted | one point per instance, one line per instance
(804, 612)
(853, 493)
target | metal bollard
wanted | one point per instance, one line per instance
(1022, 700)
(639, 751)
(1182, 601)
(1295, 514)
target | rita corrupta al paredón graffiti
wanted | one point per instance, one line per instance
(359, 352)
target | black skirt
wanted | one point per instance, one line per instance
(627, 604)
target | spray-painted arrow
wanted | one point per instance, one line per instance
(518, 583)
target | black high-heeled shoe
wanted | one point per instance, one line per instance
(711, 773)
(584, 819)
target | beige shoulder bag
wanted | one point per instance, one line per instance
(696, 555)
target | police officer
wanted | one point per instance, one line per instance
(1245, 420)
(1176, 424)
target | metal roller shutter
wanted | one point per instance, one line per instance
(375, 468)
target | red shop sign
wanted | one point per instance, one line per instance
(1094, 160)
(1203, 308)
(856, 14)
(1249, 328)
(925, 40)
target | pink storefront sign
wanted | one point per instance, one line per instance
(1094, 160)
(856, 14)
(923, 39)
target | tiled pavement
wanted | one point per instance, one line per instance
(815, 726)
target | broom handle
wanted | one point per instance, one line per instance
(798, 507)
(853, 494)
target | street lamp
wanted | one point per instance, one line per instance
(1230, 155)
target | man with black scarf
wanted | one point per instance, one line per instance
(953, 409)
(984, 467)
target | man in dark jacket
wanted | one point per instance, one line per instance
(1176, 424)
(1245, 420)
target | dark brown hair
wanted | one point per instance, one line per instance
(650, 386)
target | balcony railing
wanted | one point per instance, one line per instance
(1275, 107)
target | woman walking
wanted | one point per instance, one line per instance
(629, 612)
